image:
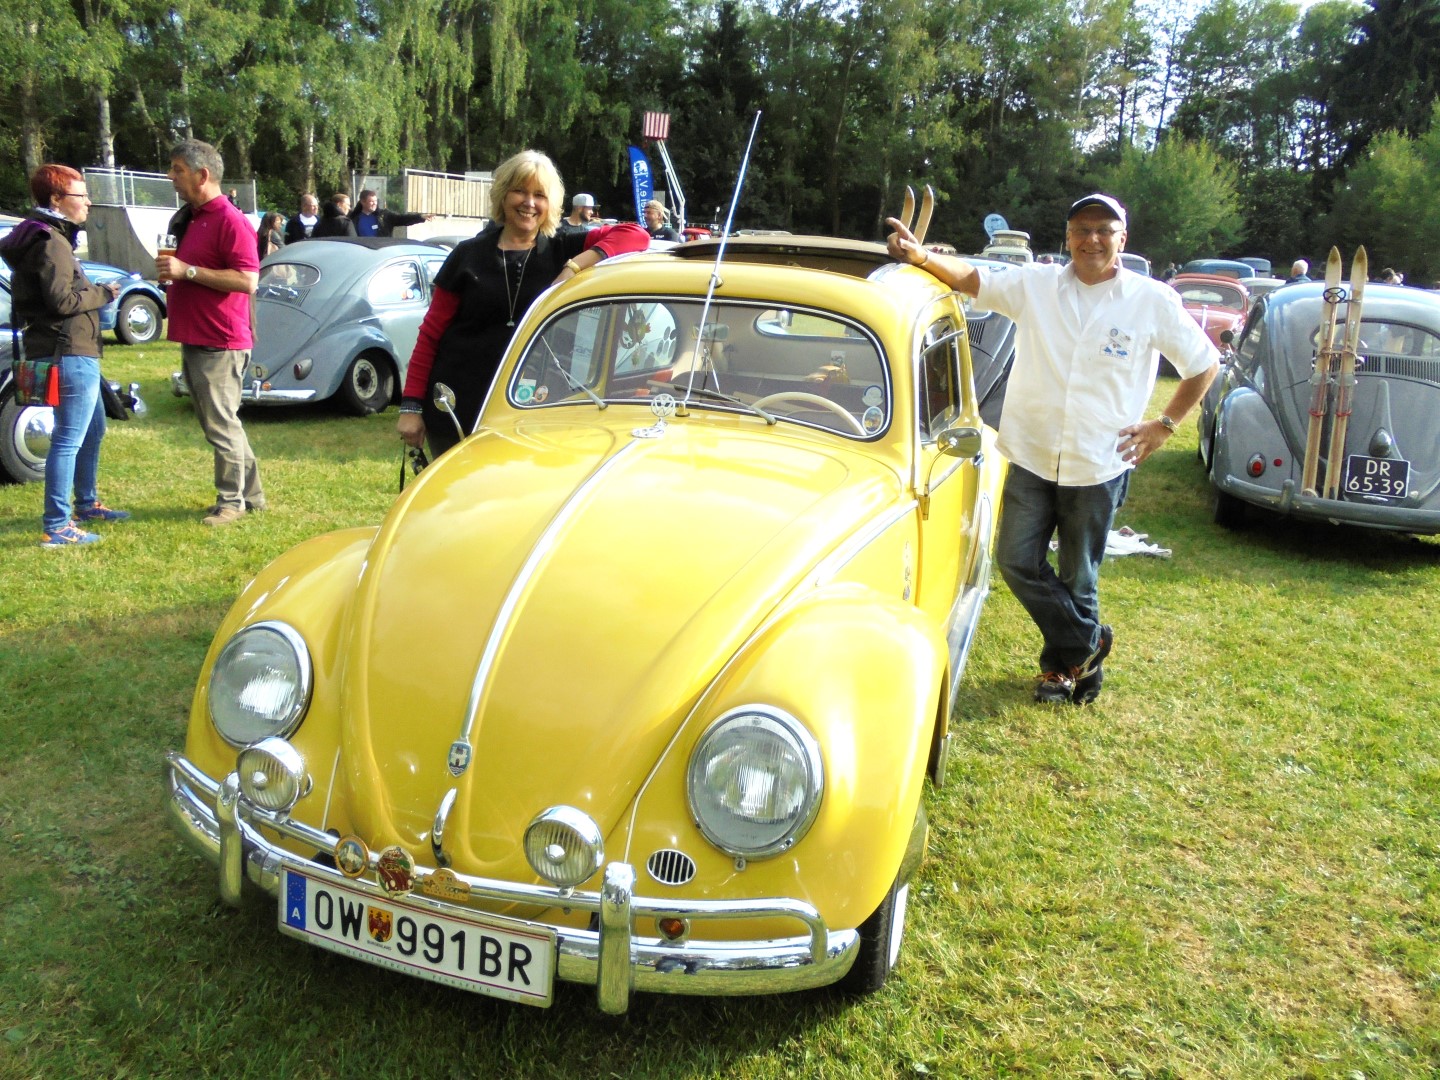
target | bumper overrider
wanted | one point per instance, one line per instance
(221, 825)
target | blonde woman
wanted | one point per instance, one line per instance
(485, 287)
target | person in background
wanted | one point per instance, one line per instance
(1071, 427)
(372, 219)
(655, 222)
(335, 218)
(270, 236)
(302, 225)
(59, 310)
(486, 286)
(1389, 276)
(212, 276)
(582, 215)
(1299, 273)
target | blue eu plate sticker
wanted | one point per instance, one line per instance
(295, 901)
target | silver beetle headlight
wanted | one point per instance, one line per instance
(260, 685)
(272, 774)
(755, 781)
(564, 846)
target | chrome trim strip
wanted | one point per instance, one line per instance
(817, 957)
(500, 628)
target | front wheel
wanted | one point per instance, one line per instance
(138, 321)
(24, 439)
(880, 937)
(368, 385)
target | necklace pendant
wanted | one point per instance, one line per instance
(511, 324)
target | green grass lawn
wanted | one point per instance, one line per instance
(1227, 867)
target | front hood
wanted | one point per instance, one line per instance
(575, 589)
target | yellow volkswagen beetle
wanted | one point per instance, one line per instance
(638, 686)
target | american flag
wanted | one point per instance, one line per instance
(657, 125)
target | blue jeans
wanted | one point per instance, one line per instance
(74, 457)
(1064, 605)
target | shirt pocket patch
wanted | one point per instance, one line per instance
(1118, 344)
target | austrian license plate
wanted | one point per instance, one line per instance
(1388, 478)
(517, 964)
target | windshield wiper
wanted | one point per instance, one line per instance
(600, 402)
(720, 395)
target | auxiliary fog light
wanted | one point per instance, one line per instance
(272, 774)
(564, 846)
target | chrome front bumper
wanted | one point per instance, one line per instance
(253, 392)
(220, 825)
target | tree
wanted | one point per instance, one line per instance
(1182, 199)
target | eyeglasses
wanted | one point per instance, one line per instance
(75, 195)
(1098, 234)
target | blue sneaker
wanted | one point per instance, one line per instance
(101, 512)
(66, 536)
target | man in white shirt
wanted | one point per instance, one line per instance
(1087, 335)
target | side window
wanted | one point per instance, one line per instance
(939, 378)
(1251, 348)
(395, 283)
(432, 267)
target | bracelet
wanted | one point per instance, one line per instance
(926, 259)
(574, 266)
(411, 410)
(1168, 424)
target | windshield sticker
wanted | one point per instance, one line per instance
(872, 419)
(524, 391)
(542, 392)
(873, 396)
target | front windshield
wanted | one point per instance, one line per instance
(792, 364)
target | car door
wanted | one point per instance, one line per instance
(399, 297)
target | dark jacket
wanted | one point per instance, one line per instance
(332, 222)
(386, 221)
(295, 229)
(53, 301)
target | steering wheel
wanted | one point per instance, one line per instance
(814, 399)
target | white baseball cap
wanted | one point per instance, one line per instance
(1111, 204)
(582, 200)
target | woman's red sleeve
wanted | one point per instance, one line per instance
(618, 239)
(443, 306)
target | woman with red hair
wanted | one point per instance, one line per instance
(59, 310)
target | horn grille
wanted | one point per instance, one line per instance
(670, 867)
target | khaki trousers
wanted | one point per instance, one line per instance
(216, 378)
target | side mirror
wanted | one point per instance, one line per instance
(963, 442)
(445, 403)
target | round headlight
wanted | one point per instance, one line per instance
(272, 774)
(564, 846)
(260, 684)
(755, 781)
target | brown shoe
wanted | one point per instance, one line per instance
(223, 515)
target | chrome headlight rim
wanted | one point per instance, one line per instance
(285, 725)
(807, 750)
(579, 861)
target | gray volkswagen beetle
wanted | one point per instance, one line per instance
(337, 317)
(1255, 418)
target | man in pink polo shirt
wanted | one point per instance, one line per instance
(212, 275)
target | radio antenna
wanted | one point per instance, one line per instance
(700, 346)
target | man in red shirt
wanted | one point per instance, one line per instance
(212, 275)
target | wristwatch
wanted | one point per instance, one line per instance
(190, 273)
(1169, 424)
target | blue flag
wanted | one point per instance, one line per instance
(640, 177)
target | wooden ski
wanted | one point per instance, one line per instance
(1345, 382)
(927, 208)
(1320, 376)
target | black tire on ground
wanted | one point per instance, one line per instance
(368, 385)
(24, 439)
(139, 320)
(879, 949)
(1227, 511)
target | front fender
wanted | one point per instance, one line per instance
(863, 672)
(310, 587)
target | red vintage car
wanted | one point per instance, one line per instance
(1216, 303)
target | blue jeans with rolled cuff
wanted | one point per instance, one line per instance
(73, 462)
(1063, 601)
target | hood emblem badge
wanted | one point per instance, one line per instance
(445, 885)
(351, 856)
(396, 871)
(460, 756)
(663, 406)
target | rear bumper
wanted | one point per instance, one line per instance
(1288, 500)
(253, 393)
(221, 826)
